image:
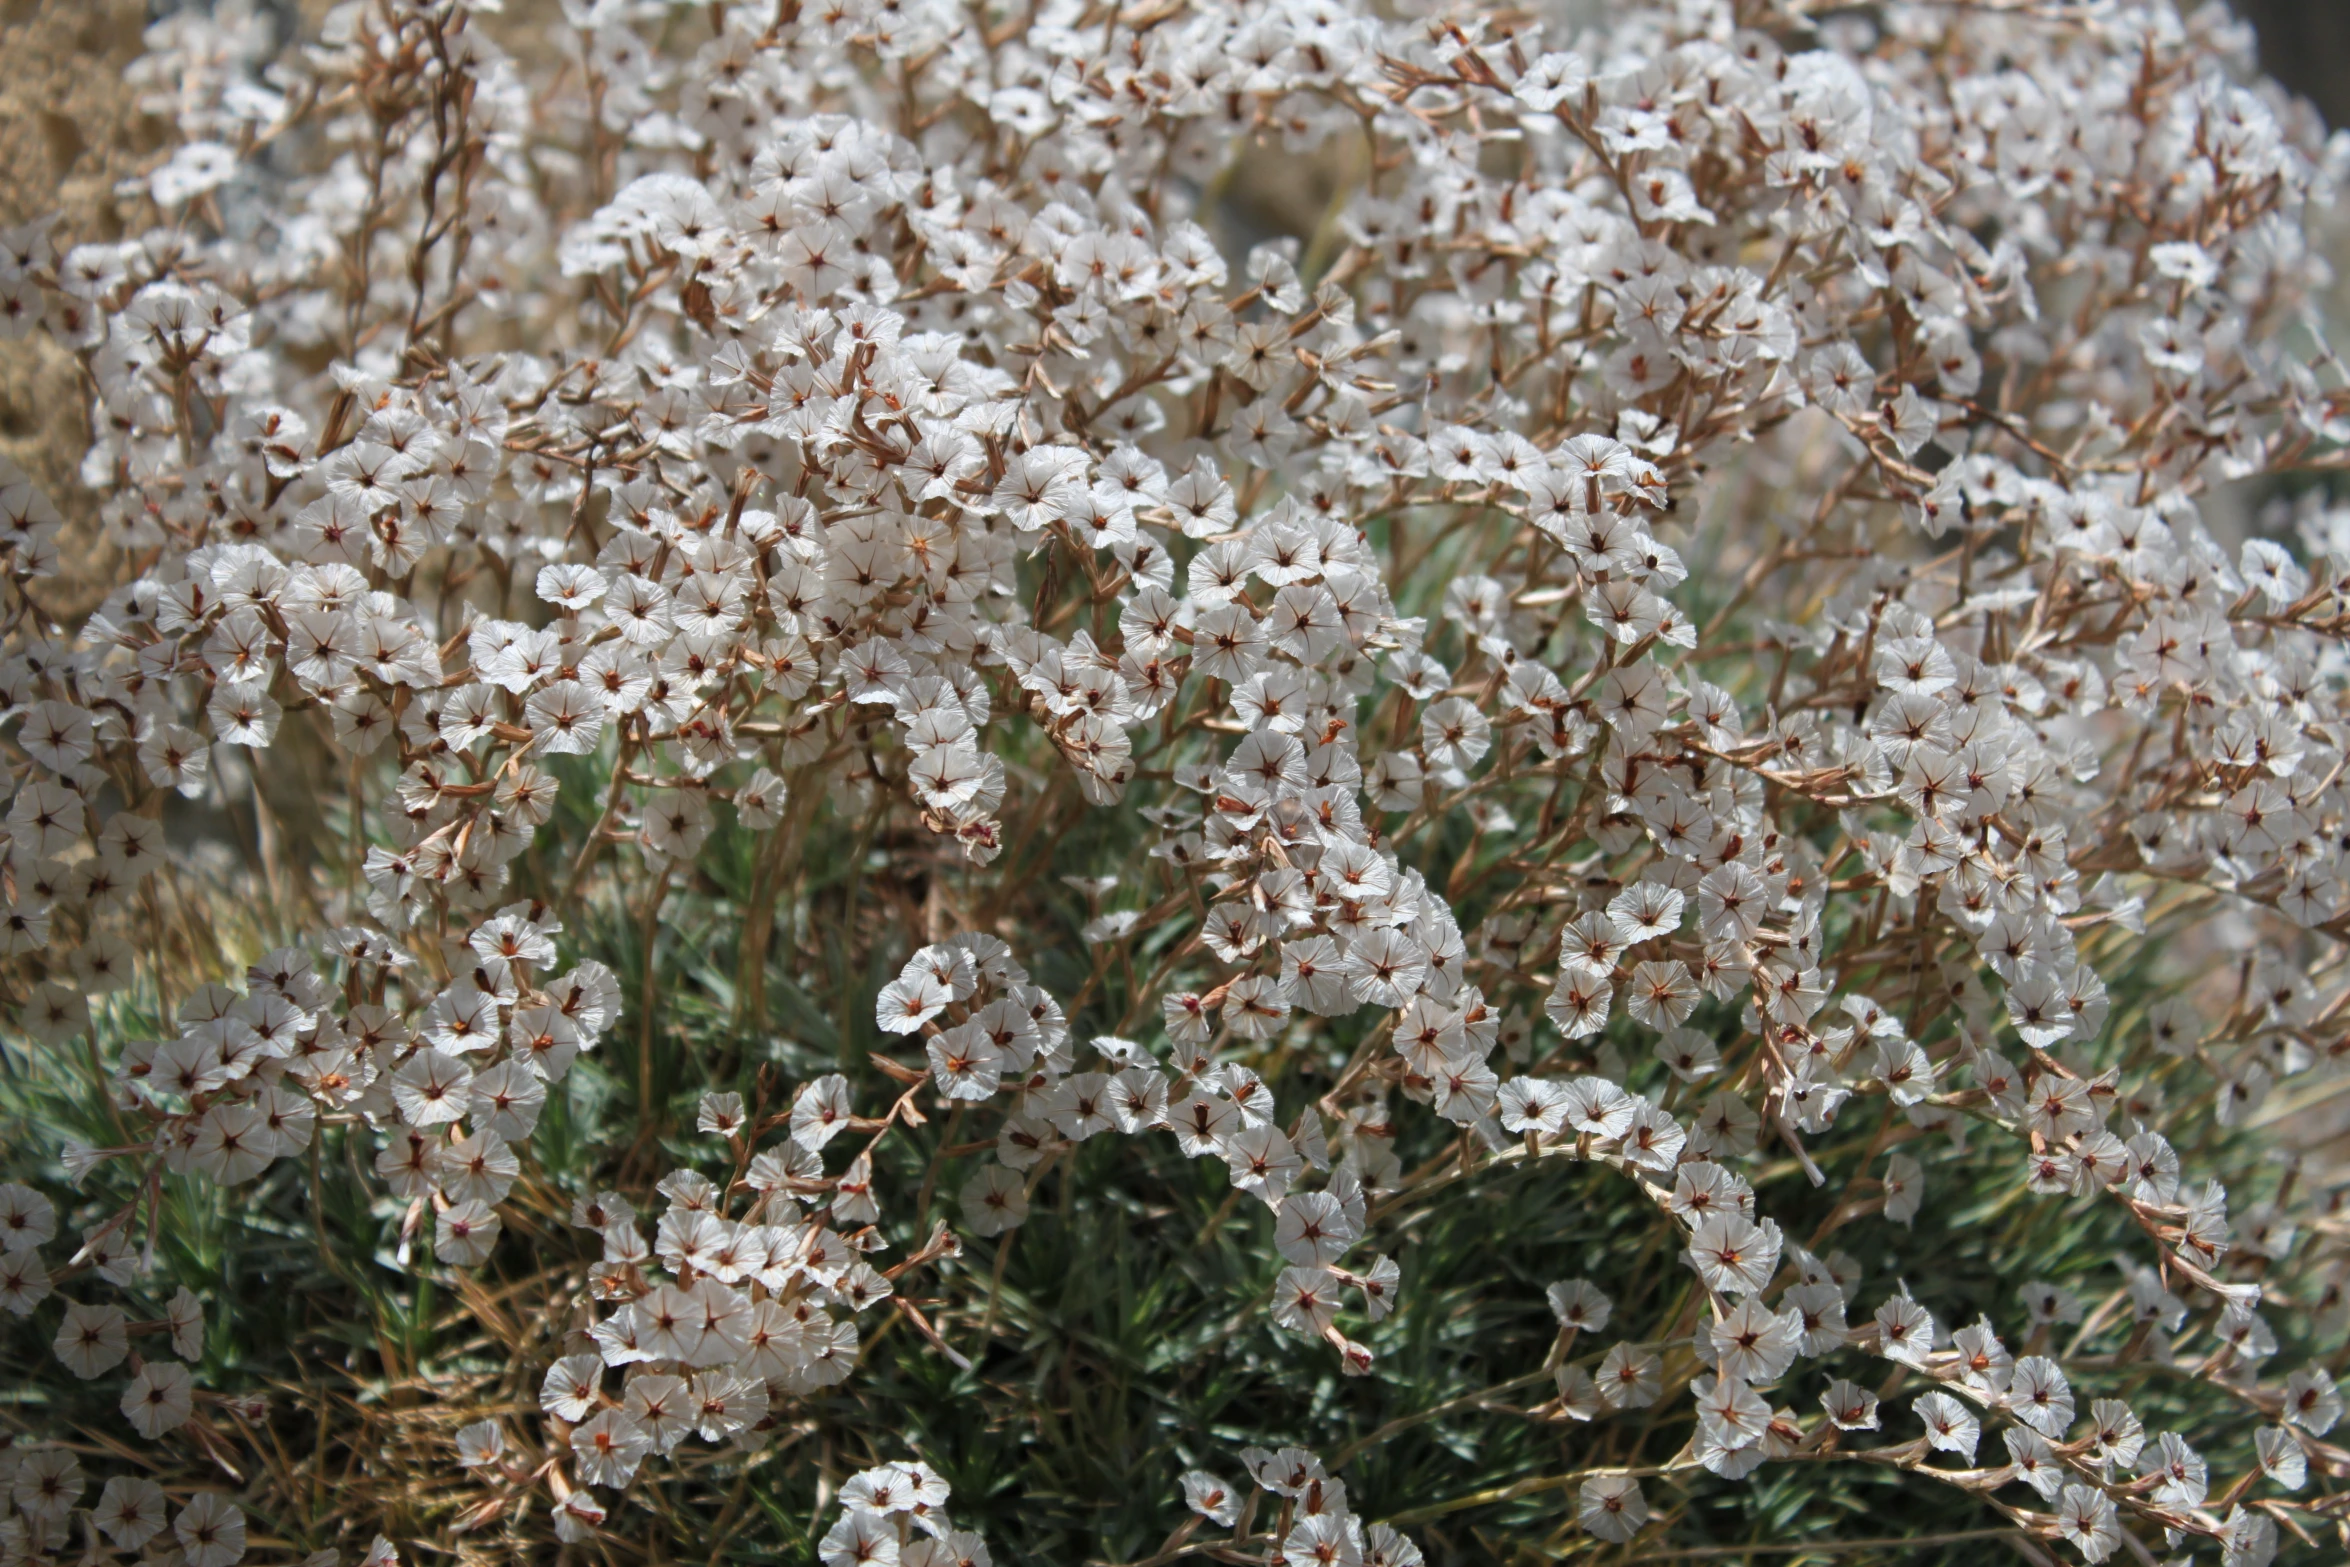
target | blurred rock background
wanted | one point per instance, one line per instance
(69, 128)
(2306, 45)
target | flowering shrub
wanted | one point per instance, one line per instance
(732, 663)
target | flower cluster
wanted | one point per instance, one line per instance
(894, 1515)
(1311, 1522)
(1678, 631)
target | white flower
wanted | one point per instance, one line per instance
(2085, 1520)
(1905, 1330)
(193, 169)
(465, 1233)
(1454, 734)
(1849, 1406)
(1950, 1426)
(994, 1200)
(1733, 1255)
(27, 1219)
(131, 1511)
(1753, 1343)
(609, 1447)
(1580, 1305)
(160, 1398)
(2040, 1396)
(433, 1089)
(480, 1444)
(2035, 1462)
(860, 1539)
(568, 1391)
(24, 1282)
(1629, 1377)
(47, 1485)
(210, 1531)
(1263, 1162)
(2311, 1401)
(92, 1339)
(909, 1001)
(820, 1112)
(1611, 1508)
(1210, 1497)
